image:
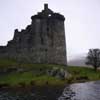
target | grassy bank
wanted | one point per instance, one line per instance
(35, 74)
(82, 74)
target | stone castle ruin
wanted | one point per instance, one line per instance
(43, 41)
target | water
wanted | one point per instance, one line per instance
(80, 91)
(34, 93)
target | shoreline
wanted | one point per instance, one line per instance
(27, 87)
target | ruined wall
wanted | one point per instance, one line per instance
(43, 41)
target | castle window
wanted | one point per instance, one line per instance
(47, 28)
(42, 41)
(49, 15)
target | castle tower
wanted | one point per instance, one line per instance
(41, 42)
(50, 28)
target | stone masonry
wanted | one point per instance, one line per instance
(43, 41)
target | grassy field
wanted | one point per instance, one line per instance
(35, 74)
(27, 78)
(88, 74)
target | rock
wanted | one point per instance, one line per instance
(20, 70)
(67, 94)
(82, 78)
(12, 69)
(58, 72)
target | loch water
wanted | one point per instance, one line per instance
(77, 91)
(82, 91)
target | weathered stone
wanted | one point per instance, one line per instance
(59, 73)
(43, 41)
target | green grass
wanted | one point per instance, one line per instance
(15, 78)
(27, 78)
(5, 63)
(36, 73)
(8, 63)
(84, 72)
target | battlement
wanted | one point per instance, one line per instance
(48, 13)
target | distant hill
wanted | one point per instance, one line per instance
(78, 61)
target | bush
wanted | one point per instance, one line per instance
(32, 82)
(70, 80)
(4, 85)
(22, 84)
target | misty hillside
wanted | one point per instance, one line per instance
(78, 61)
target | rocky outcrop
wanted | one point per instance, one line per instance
(59, 73)
(43, 41)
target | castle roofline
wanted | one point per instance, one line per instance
(48, 13)
(45, 6)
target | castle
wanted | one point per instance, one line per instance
(43, 41)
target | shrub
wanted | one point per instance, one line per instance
(22, 84)
(32, 82)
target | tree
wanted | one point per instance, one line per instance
(93, 58)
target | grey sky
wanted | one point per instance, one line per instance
(82, 23)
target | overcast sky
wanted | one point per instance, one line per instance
(82, 24)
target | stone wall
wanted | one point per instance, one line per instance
(43, 41)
